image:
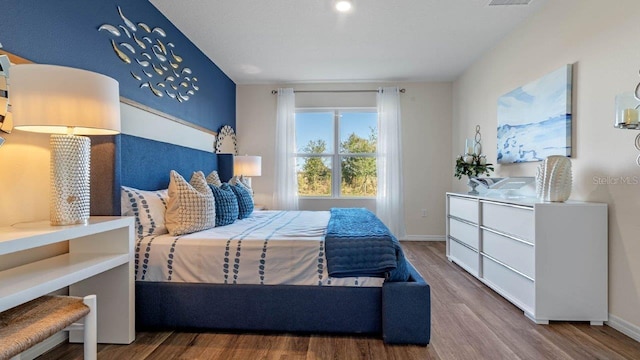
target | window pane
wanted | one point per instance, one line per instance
(358, 132)
(314, 175)
(314, 132)
(359, 176)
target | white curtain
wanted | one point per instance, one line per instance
(389, 201)
(285, 196)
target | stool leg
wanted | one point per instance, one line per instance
(91, 329)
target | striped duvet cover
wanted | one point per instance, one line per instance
(268, 248)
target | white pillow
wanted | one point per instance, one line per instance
(191, 205)
(148, 207)
(214, 179)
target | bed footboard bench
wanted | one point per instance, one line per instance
(400, 312)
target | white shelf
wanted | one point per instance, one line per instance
(23, 236)
(99, 262)
(27, 282)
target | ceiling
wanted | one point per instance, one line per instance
(307, 41)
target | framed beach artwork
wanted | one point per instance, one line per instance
(534, 120)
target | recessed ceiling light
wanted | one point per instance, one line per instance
(343, 5)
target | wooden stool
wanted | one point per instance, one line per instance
(28, 324)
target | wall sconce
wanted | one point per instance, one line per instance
(627, 112)
(66, 102)
(247, 166)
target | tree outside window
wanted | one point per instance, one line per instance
(354, 151)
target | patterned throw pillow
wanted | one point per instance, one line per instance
(148, 207)
(191, 206)
(226, 204)
(241, 181)
(245, 201)
(214, 179)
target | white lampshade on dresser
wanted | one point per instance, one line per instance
(66, 102)
(247, 166)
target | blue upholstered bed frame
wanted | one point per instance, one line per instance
(399, 312)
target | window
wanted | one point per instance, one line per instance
(336, 152)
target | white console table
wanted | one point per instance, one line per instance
(99, 261)
(548, 258)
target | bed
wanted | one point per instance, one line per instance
(399, 312)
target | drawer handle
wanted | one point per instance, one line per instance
(463, 244)
(462, 220)
(523, 207)
(506, 235)
(507, 266)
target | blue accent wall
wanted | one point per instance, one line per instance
(66, 33)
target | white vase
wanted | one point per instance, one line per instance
(553, 179)
(472, 184)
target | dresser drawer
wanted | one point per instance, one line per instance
(464, 232)
(464, 256)
(511, 220)
(516, 254)
(509, 284)
(463, 208)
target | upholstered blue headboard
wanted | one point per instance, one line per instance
(125, 160)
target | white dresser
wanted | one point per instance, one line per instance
(549, 259)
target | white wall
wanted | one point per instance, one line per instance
(426, 116)
(602, 40)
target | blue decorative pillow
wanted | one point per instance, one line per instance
(245, 201)
(226, 204)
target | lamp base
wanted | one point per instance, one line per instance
(70, 182)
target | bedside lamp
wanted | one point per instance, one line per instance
(247, 166)
(65, 102)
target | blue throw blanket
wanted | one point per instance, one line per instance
(357, 243)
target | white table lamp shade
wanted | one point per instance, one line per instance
(247, 165)
(66, 102)
(51, 99)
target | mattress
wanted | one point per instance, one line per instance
(267, 248)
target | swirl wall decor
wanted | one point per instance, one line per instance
(152, 58)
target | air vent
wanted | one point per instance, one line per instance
(509, 2)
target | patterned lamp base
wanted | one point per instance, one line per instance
(70, 166)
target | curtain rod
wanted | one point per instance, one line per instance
(333, 91)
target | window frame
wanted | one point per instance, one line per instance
(336, 156)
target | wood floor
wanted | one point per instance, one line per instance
(469, 321)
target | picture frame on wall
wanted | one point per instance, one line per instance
(534, 120)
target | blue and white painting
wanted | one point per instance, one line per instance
(534, 120)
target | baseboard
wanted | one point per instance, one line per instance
(44, 346)
(423, 238)
(625, 327)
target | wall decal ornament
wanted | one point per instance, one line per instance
(151, 57)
